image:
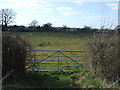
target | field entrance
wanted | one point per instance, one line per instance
(51, 60)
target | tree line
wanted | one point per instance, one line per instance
(48, 28)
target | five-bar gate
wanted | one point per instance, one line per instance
(50, 60)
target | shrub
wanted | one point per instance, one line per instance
(14, 54)
(45, 44)
(104, 47)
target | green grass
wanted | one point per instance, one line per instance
(55, 79)
(42, 80)
(58, 41)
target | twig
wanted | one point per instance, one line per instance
(6, 76)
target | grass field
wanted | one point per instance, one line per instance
(58, 41)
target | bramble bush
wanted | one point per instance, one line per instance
(105, 52)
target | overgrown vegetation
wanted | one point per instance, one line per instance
(105, 52)
(15, 52)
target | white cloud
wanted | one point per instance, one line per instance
(67, 11)
(9, 4)
(70, 13)
(64, 9)
(48, 10)
(35, 4)
(32, 4)
(114, 6)
(79, 2)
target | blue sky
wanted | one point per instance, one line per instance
(75, 13)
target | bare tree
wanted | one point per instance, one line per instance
(7, 16)
(34, 23)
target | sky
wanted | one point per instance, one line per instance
(73, 13)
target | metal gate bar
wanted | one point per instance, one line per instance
(59, 53)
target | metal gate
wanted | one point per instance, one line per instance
(51, 60)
